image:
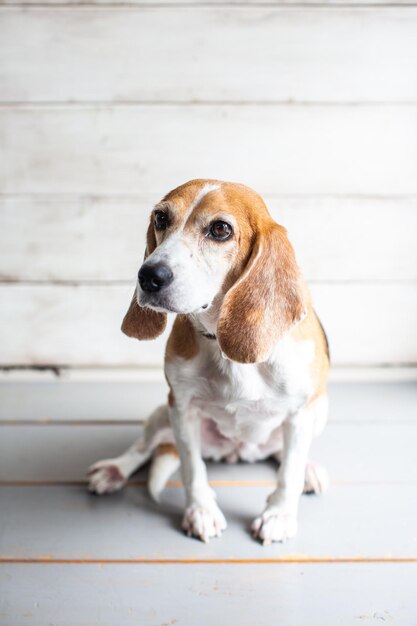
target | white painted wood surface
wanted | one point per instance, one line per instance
(336, 239)
(63, 400)
(243, 594)
(61, 453)
(147, 530)
(122, 559)
(184, 3)
(80, 325)
(105, 106)
(233, 54)
(275, 149)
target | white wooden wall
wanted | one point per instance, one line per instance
(104, 106)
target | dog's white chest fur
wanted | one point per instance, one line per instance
(248, 403)
(241, 403)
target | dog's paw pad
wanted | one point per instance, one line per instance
(105, 477)
(203, 522)
(316, 479)
(274, 525)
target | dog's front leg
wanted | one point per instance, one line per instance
(202, 518)
(279, 519)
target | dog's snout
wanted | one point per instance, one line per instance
(154, 277)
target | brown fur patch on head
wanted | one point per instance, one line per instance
(184, 195)
(142, 322)
(182, 341)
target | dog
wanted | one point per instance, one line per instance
(246, 361)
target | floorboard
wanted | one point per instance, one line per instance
(68, 558)
(61, 400)
(350, 522)
(351, 453)
(290, 594)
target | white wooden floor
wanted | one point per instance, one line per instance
(69, 558)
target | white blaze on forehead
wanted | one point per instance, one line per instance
(200, 195)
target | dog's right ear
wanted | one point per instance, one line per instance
(141, 322)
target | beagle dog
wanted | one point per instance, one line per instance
(246, 361)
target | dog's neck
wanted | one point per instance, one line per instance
(205, 322)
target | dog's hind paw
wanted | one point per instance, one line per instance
(105, 477)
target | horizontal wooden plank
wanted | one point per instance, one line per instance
(67, 523)
(190, 3)
(382, 373)
(62, 401)
(71, 325)
(275, 149)
(257, 54)
(242, 594)
(79, 325)
(352, 453)
(104, 236)
(373, 402)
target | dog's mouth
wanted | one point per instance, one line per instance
(156, 303)
(162, 304)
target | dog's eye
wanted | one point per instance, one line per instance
(220, 231)
(161, 220)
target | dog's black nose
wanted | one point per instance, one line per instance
(154, 277)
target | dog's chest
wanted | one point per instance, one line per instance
(243, 406)
(248, 402)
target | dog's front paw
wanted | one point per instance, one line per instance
(105, 477)
(275, 524)
(204, 521)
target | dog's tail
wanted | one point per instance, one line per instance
(165, 462)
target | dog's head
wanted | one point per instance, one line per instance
(214, 242)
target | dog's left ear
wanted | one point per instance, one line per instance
(141, 322)
(264, 302)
